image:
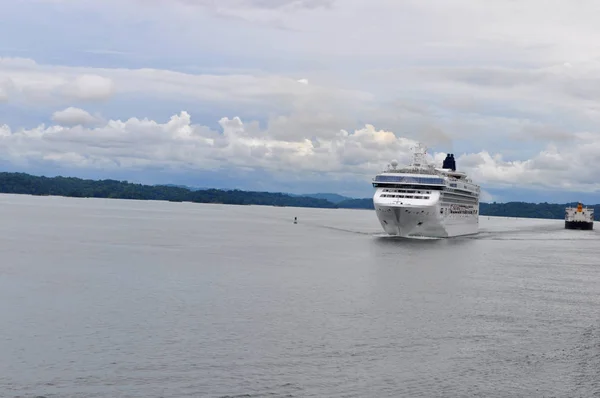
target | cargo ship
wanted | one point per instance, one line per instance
(579, 217)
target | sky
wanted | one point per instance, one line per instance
(303, 96)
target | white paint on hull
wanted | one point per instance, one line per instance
(426, 221)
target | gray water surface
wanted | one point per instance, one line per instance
(111, 298)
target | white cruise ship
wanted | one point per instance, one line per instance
(424, 200)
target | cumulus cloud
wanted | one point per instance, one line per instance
(73, 116)
(179, 144)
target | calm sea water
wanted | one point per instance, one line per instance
(109, 298)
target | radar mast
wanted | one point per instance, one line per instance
(419, 151)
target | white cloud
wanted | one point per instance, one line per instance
(296, 110)
(73, 116)
(438, 105)
(265, 12)
(260, 4)
(6, 87)
(38, 81)
(32, 82)
(179, 144)
(494, 32)
(90, 87)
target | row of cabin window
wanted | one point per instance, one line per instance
(464, 192)
(405, 191)
(407, 179)
(447, 201)
(458, 199)
(404, 196)
(409, 186)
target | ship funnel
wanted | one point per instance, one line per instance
(449, 162)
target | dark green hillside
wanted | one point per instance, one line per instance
(21, 183)
(530, 210)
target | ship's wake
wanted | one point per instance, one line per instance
(351, 231)
(398, 237)
(544, 232)
(495, 229)
(522, 232)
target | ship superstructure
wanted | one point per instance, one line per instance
(579, 217)
(423, 200)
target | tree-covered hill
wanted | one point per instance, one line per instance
(530, 210)
(21, 183)
(357, 204)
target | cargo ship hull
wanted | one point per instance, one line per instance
(579, 225)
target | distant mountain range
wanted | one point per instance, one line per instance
(21, 183)
(182, 186)
(332, 197)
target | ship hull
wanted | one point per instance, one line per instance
(584, 225)
(424, 221)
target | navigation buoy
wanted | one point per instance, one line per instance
(295, 220)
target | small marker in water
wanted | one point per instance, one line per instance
(295, 220)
